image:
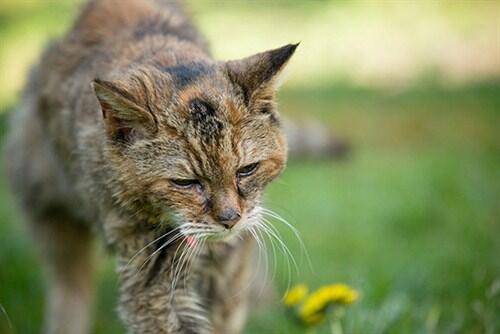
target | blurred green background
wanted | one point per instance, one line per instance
(411, 218)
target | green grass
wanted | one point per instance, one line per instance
(410, 219)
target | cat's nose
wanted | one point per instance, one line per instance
(228, 218)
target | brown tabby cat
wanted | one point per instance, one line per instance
(129, 128)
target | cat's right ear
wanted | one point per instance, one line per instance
(124, 119)
(258, 75)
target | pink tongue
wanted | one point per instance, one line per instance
(191, 241)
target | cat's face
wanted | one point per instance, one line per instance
(196, 144)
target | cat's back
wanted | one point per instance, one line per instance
(109, 34)
(108, 20)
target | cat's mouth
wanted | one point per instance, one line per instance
(215, 234)
(193, 242)
(224, 235)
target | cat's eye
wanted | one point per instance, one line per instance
(185, 183)
(247, 170)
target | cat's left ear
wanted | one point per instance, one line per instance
(124, 119)
(258, 75)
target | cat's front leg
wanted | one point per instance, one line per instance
(150, 301)
(233, 276)
(151, 305)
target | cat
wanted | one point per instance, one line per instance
(130, 131)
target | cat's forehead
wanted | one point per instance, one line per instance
(213, 120)
(184, 75)
(219, 135)
(212, 125)
(205, 100)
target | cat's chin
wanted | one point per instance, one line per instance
(226, 236)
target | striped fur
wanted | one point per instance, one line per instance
(128, 103)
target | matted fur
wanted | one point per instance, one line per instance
(117, 117)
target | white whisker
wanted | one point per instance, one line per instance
(275, 233)
(174, 238)
(149, 244)
(285, 251)
(303, 249)
(176, 262)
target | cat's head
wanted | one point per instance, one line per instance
(195, 144)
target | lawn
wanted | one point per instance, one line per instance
(410, 218)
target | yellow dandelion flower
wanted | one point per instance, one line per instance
(316, 304)
(295, 295)
(314, 319)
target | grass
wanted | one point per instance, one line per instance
(410, 219)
